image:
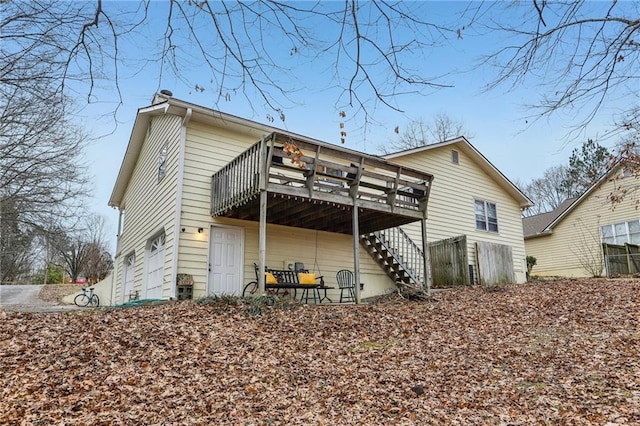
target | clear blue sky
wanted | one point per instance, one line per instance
(499, 122)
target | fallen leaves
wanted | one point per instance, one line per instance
(566, 352)
(55, 292)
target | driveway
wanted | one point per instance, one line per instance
(24, 298)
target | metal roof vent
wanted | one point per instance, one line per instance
(166, 92)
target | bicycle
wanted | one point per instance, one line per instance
(87, 298)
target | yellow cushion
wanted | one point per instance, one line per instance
(270, 279)
(306, 278)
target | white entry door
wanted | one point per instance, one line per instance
(225, 261)
(155, 268)
(127, 277)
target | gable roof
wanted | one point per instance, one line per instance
(166, 104)
(536, 224)
(567, 207)
(462, 144)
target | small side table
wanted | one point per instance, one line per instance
(324, 295)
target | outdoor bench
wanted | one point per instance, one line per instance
(286, 278)
(277, 279)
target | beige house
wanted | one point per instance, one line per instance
(204, 195)
(471, 198)
(568, 241)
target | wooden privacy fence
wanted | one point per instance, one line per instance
(621, 259)
(495, 263)
(449, 261)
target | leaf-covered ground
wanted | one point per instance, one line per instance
(55, 292)
(566, 352)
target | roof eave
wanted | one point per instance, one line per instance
(538, 235)
(178, 107)
(485, 165)
(134, 146)
(584, 195)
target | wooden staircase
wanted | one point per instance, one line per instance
(397, 254)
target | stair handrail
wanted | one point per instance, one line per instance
(404, 250)
(410, 241)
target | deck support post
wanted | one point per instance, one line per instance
(355, 228)
(425, 258)
(262, 231)
(356, 250)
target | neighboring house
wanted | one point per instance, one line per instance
(204, 195)
(568, 241)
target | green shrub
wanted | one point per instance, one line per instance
(531, 262)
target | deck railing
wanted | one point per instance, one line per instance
(237, 182)
(317, 172)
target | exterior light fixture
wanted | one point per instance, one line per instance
(200, 230)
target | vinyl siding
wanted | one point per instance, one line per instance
(451, 204)
(207, 150)
(575, 240)
(324, 253)
(149, 205)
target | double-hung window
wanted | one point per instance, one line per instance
(621, 233)
(486, 216)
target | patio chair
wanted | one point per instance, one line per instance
(346, 283)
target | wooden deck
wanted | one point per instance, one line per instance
(316, 186)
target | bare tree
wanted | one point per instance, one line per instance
(583, 52)
(98, 261)
(73, 252)
(416, 134)
(420, 132)
(42, 176)
(15, 246)
(47, 243)
(84, 250)
(444, 128)
(257, 50)
(626, 156)
(42, 179)
(587, 248)
(41, 170)
(548, 191)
